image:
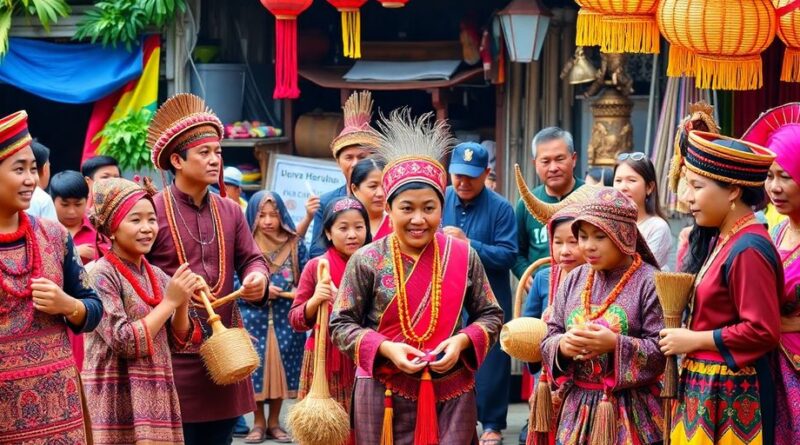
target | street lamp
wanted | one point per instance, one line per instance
(525, 24)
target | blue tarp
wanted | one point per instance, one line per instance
(70, 73)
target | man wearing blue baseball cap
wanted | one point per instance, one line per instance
(475, 213)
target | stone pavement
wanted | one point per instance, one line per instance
(517, 415)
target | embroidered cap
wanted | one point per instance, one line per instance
(729, 160)
(615, 214)
(347, 204)
(357, 131)
(14, 135)
(113, 199)
(779, 130)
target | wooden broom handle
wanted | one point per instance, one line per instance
(228, 298)
(207, 303)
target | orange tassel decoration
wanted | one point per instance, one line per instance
(427, 431)
(604, 423)
(387, 435)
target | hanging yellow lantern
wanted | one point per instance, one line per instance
(789, 33)
(588, 26)
(725, 39)
(625, 26)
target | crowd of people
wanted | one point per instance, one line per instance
(102, 314)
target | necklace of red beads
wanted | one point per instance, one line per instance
(128, 274)
(32, 267)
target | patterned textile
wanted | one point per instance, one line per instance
(127, 375)
(630, 374)
(112, 200)
(721, 406)
(726, 159)
(417, 169)
(368, 290)
(615, 214)
(257, 321)
(40, 390)
(14, 134)
(457, 417)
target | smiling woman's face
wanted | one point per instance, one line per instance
(18, 178)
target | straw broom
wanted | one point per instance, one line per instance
(319, 419)
(673, 290)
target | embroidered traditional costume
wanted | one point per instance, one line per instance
(779, 130)
(40, 390)
(623, 300)
(128, 379)
(386, 295)
(727, 396)
(215, 240)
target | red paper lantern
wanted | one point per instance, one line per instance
(351, 25)
(393, 3)
(286, 12)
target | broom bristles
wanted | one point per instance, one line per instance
(673, 290)
(319, 421)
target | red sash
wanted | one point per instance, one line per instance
(384, 230)
(338, 265)
(455, 265)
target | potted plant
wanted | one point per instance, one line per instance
(125, 140)
(47, 12)
(122, 21)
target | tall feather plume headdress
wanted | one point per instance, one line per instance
(357, 129)
(414, 150)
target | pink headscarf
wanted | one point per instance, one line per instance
(779, 130)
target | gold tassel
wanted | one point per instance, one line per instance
(588, 28)
(790, 71)
(542, 406)
(680, 62)
(630, 34)
(351, 33)
(731, 73)
(387, 436)
(604, 423)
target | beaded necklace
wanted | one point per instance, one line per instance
(402, 296)
(33, 260)
(128, 275)
(586, 295)
(169, 202)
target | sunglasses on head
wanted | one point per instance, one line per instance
(635, 156)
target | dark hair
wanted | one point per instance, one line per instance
(69, 184)
(184, 154)
(603, 175)
(414, 186)
(700, 238)
(329, 218)
(558, 221)
(645, 168)
(40, 153)
(91, 165)
(363, 169)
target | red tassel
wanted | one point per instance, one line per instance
(427, 431)
(286, 59)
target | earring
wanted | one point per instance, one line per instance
(733, 206)
(113, 237)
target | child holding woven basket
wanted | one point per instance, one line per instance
(127, 377)
(602, 340)
(345, 230)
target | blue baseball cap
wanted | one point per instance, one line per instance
(469, 159)
(232, 176)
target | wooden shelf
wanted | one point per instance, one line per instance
(253, 142)
(252, 187)
(332, 77)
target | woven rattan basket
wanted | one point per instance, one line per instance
(228, 354)
(522, 338)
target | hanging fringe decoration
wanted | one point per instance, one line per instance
(790, 71)
(789, 32)
(604, 424)
(680, 62)
(351, 25)
(286, 12)
(387, 435)
(427, 430)
(588, 28)
(729, 73)
(629, 34)
(542, 409)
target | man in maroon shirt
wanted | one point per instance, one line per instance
(211, 234)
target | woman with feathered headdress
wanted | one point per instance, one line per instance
(399, 309)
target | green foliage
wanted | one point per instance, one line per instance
(114, 22)
(125, 139)
(46, 11)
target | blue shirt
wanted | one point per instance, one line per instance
(316, 228)
(489, 223)
(538, 297)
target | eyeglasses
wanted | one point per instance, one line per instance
(635, 156)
